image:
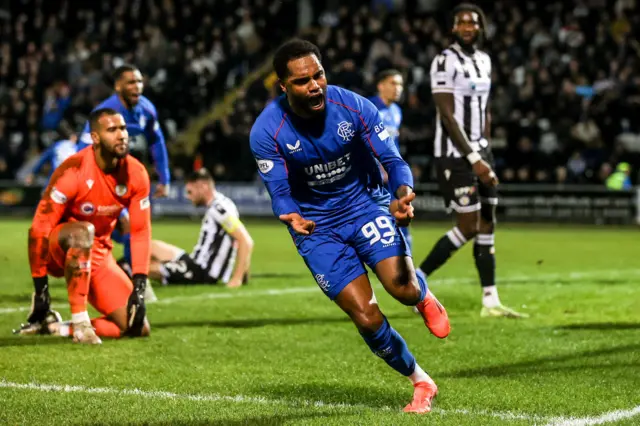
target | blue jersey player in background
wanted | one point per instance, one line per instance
(317, 148)
(144, 134)
(390, 84)
(53, 157)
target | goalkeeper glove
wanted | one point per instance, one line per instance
(136, 309)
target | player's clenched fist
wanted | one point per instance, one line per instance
(402, 209)
(298, 223)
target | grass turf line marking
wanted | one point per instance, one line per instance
(575, 275)
(611, 416)
(256, 400)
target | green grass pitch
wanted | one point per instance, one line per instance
(278, 352)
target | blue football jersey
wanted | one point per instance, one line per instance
(325, 168)
(55, 155)
(144, 132)
(391, 117)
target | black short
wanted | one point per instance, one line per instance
(185, 270)
(460, 187)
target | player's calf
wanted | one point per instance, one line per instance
(398, 277)
(116, 325)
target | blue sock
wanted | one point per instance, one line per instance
(126, 242)
(422, 281)
(390, 346)
(116, 236)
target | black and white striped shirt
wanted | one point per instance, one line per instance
(216, 250)
(468, 78)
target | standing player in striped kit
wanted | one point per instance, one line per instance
(461, 84)
(223, 251)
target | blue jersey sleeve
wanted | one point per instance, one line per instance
(158, 147)
(46, 157)
(85, 137)
(272, 170)
(381, 144)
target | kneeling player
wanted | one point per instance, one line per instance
(70, 237)
(223, 239)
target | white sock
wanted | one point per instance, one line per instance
(419, 375)
(490, 297)
(80, 317)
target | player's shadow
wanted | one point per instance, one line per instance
(601, 326)
(361, 397)
(269, 418)
(549, 364)
(17, 341)
(259, 322)
(25, 299)
(279, 275)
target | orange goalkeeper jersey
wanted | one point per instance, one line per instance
(80, 191)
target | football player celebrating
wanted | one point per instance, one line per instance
(316, 148)
(144, 130)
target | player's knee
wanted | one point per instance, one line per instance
(81, 236)
(469, 228)
(487, 213)
(368, 319)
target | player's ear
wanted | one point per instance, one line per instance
(95, 137)
(282, 86)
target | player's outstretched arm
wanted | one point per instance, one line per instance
(159, 153)
(376, 138)
(140, 219)
(299, 224)
(61, 190)
(273, 172)
(85, 140)
(245, 248)
(442, 76)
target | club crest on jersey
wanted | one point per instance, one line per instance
(143, 121)
(121, 190)
(87, 209)
(345, 131)
(294, 148)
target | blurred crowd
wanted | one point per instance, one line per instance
(566, 82)
(566, 78)
(56, 57)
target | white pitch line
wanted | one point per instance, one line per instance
(574, 275)
(611, 416)
(296, 403)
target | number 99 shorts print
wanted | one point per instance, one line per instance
(336, 255)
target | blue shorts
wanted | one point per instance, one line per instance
(336, 255)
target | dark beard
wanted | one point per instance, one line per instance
(467, 47)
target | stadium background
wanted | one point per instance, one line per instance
(565, 102)
(565, 96)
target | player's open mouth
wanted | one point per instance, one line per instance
(316, 102)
